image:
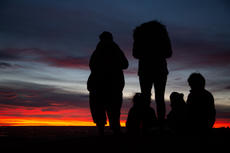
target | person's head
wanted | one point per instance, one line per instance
(140, 100)
(196, 81)
(177, 100)
(106, 36)
(148, 28)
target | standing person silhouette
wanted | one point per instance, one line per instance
(106, 82)
(151, 47)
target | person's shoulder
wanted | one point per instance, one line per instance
(115, 45)
(208, 93)
(209, 96)
(190, 98)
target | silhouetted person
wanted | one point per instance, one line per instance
(106, 82)
(177, 117)
(200, 103)
(141, 117)
(151, 47)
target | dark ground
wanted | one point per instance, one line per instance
(85, 139)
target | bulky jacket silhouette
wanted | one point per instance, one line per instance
(151, 47)
(200, 103)
(106, 82)
(141, 117)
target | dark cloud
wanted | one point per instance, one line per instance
(227, 87)
(223, 115)
(18, 54)
(190, 43)
(192, 55)
(50, 57)
(5, 55)
(49, 109)
(5, 65)
(199, 55)
(35, 95)
(70, 29)
(7, 94)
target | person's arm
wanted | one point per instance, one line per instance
(123, 62)
(211, 112)
(92, 61)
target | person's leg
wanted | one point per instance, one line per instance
(92, 105)
(159, 86)
(100, 127)
(146, 84)
(98, 112)
(114, 112)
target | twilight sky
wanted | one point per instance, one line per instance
(45, 48)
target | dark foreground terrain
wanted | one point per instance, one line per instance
(85, 139)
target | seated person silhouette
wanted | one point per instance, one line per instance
(200, 104)
(151, 47)
(177, 117)
(106, 83)
(141, 117)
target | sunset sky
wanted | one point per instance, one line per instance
(45, 46)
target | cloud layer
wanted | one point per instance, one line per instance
(46, 45)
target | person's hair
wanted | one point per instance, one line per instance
(175, 95)
(106, 36)
(140, 99)
(148, 27)
(176, 99)
(196, 80)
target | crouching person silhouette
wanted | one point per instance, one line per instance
(151, 47)
(106, 83)
(141, 117)
(177, 117)
(200, 103)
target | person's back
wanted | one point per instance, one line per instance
(107, 63)
(201, 109)
(200, 103)
(152, 46)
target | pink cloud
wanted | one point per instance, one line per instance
(66, 62)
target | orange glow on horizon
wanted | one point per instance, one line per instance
(43, 122)
(68, 122)
(46, 122)
(220, 124)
